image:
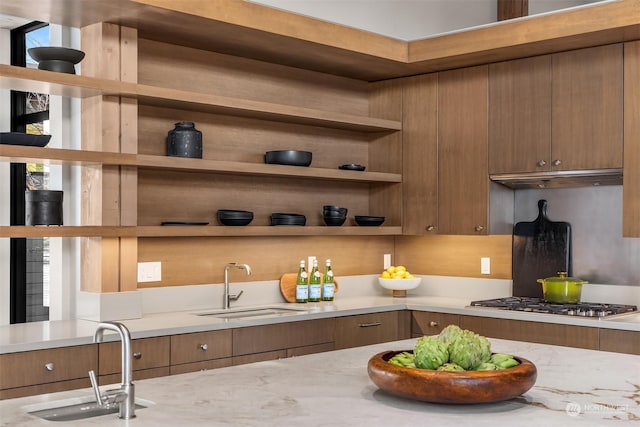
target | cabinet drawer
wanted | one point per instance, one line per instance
(200, 366)
(620, 341)
(47, 366)
(260, 339)
(147, 353)
(428, 323)
(365, 329)
(196, 347)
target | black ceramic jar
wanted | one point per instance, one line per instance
(184, 141)
(43, 207)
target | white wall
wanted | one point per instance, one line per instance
(5, 101)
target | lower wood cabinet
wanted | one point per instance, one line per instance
(620, 341)
(430, 323)
(544, 333)
(365, 329)
(150, 358)
(46, 371)
(280, 340)
(200, 350)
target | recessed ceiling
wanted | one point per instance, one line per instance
(8, 22)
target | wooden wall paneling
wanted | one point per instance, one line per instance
(163, 65)
(631, 178)
(420, 155)
(246, 140)
(587, 102)
(455, 255)
(385, 152)
(188, 261)
(510, 9)
(620, 341)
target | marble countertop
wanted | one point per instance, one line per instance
(42, 335)
(574, 387)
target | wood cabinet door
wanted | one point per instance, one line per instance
(147, 353)
(587, 108)
(463, 179)
(620, 341)
(200, 346)
(420, 155)
(365, 329)
(47, 366)
(429, 323)
(631, 179)
(520, 115)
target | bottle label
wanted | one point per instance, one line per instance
(314, 292)
(302, 292)
(328, 290)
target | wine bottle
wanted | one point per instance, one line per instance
(328, 285)
(315, 287)
(302, 287)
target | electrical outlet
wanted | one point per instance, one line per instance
(310, 260)
(485, 265)
(149, 271)
(386, 261)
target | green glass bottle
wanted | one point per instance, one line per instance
(302, 287)
(315, 287)
(328, 285)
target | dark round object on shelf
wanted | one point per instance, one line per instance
(352, 167)
(288, 157)
(43, 207)
(369, 221)
(334, 221)
(184, 140)
(287, 219)
(59, 59)
(234, 217)
(21, 138)
(342, 212)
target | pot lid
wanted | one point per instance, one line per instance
(562, 277)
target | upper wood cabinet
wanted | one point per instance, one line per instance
(463, 181)
(557, 112)
(631, 183)
(420, 155)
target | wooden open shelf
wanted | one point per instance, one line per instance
(22, 154)
(70, 85)
(17, 231)
(223, 231)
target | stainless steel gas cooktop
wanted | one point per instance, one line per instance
(538, 305)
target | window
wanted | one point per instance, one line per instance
(29, 276)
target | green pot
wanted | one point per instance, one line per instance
(562, 289)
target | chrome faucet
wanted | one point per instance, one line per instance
(125, 395)
(226, 297)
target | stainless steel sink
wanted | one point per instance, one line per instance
(76, 409)
(253, 312)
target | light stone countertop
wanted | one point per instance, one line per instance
(574, 387)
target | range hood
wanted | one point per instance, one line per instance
(560, 179)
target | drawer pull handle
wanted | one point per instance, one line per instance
(367, 325)
(433, 324)
(137, 355)
(49, 366)
(204, 347)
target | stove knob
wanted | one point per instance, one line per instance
(571, 312)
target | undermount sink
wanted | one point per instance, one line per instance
(253, 312)
(78, 408)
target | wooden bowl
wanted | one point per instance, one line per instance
(466, 387)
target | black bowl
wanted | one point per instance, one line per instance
(288, 219)
(59, 59)
(234, 218)
(330, 210)
(288, 157)
(369, 221)
(334, 221)
(20, 138)
(335, 214)
(352, 167)
(235, 221)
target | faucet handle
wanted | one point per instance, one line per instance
(96, 389)
(235, 297)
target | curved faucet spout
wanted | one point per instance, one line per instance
(227, 298)
(125, 339)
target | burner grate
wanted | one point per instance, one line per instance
(538, 305)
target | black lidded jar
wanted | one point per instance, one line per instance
(43, 207)
(184, 141)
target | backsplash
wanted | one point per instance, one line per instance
(600, 253)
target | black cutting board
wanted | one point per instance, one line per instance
(541, 249)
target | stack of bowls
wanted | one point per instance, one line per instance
(233, 217)
(287, 219)
(334, 215)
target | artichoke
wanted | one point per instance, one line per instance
(430, 353)
(504, 361)
(469, 350)
(486, 366)
(449, 333)
(450, 367)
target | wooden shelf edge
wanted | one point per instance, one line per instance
(222, 231)
(66, 231)
(241, 168)
(25, 154)
(71, 85)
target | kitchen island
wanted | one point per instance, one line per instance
(574, 387)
